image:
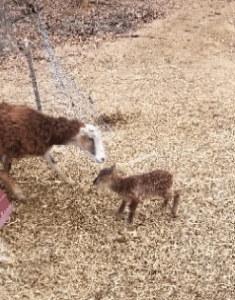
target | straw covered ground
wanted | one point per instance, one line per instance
(171, 94)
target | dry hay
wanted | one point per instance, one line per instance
(65, 242)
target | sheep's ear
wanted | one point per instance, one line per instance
(83, 131)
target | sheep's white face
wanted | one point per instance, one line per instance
(90, 140)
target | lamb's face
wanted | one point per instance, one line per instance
(89, 139)
(105, 177)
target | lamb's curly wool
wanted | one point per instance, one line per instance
(136, 188)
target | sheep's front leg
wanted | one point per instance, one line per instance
(56, 168)
(11, 186)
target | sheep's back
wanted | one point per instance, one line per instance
(18, 136)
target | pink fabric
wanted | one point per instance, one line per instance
(5, 209)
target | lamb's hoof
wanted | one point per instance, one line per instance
(164, 204)
(70, 181)
(18, 193)
(129, 221)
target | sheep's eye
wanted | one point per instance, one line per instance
(90, 139)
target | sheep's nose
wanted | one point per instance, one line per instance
(102, 159)
(95, 182)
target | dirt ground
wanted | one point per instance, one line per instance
(173, 89)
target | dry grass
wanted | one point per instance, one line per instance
(176, 97)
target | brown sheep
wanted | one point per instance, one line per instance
(25, 132)
(134, 189)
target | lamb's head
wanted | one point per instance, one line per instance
(105, 177)
(89, 139)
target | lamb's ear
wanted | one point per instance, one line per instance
(112, 168)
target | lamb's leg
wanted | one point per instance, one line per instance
(176, 203)
(121, 208)
(56, 168)
(166, 200)
(9, 167)
(132, 208)
(10, 185)
(167, 196)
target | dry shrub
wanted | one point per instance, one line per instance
(117, 118)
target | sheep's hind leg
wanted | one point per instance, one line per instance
(56, 168)
(11, 186)
(6, 163)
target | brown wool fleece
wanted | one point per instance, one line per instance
(25, 131)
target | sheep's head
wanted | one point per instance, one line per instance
(89, 139)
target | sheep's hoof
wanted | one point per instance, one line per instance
(70, 181)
